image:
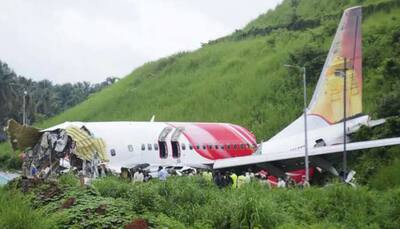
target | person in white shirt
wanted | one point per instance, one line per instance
(138, 176)
(281, 183)
(162, 174)
(247, 178)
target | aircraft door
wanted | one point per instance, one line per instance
(176, 149)
(162, 144)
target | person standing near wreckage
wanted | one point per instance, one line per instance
(162, 174)
(25, 165)
(95, 163)
(138, 176)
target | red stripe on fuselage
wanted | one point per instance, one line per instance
(216, 134)
(247, 134)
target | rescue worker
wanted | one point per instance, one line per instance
(234, 178)
(241, 180)
(207, 175)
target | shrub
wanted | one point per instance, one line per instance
(388, 177)
(68, 180)
(16, 212)
(112, 187)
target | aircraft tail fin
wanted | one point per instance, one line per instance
(343, 62)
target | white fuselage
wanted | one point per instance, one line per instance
(292, 138)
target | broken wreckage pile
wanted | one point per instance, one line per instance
(51, 152)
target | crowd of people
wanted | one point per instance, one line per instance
(222, 179)
(231, 179)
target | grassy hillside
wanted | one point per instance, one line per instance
(241, 79)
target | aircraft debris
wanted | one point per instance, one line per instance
(51, 152)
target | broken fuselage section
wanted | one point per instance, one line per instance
(51, 152)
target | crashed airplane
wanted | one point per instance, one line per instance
(87, 145)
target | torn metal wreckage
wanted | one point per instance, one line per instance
(48, 153)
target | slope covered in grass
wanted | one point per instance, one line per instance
(241, 79)
(16, 212)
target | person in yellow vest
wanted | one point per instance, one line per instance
(241, 180)
(207, 175)
(234, 180)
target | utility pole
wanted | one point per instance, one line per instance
(344, 117)
(24, 108)
(306, 161)
(305, 124)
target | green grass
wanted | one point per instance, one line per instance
(16, 212)
(306, 10)
(243, 81)
(192, 202)
(9, 160)
(238, 80)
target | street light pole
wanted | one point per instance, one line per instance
(343, 73)
(344, 117)
(24, 108)
(305, 124)
(306, 161)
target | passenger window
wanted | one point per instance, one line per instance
(183, 146)
(143, 147)
(190, 147)
(149, 147)
(113, 153)
(234, 146)
(210, 146)
(242, 146)
(198, 146)
(155, 146)
(228, 146)
(204, 147)
(222, 147)
(130, 148)
(216, 146)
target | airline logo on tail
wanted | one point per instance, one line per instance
(343, 62)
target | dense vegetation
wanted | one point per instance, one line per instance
(43, 98)
(240, 79)
(243, 80)
(193, 202)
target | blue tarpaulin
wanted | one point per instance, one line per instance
(5, 177)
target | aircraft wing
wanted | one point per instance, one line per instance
(278, 156)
